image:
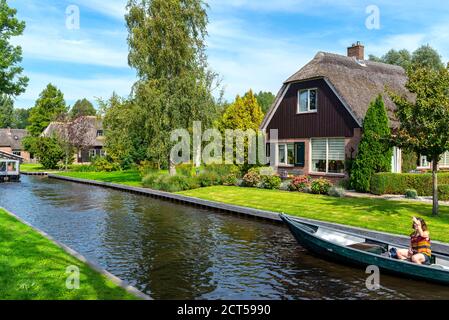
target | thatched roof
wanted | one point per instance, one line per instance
(12, 138)
(357, 83)
(89, 124)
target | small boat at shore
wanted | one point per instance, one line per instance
(356, 250)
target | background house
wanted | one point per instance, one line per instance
(11, 142)
(320, 109)
(87, 131)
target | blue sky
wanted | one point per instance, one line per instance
(251, 44)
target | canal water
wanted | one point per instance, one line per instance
(172, 251)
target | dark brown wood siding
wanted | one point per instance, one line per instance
(331, 120)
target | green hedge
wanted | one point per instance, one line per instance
(399, 183)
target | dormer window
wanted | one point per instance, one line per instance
(307, 100)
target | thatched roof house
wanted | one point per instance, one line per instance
(319, 110)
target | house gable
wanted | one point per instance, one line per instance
(332, 118)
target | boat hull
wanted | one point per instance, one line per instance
(346, 255)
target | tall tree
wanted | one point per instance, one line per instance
(11, 81)
(426, 56)
(167, 49)
(48, 107)
(401, 58)
(6, 112)
(424, 122)
(82, 108)
(21, 118)
(265, 100)
(374, 154)
(244, 114)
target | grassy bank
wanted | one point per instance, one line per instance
(34, 167)
(32, 267)
(129, 178)
(376, 214)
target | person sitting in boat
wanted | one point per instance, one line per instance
(420, 250)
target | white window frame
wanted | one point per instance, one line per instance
(298, 107)
(327, 157)
(424, 163)
(285, 164)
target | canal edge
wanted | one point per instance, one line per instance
(94, 266)
(249, 212)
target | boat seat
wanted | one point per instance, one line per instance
(368, 247)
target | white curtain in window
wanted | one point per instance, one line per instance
(337, 149)
(319, 149)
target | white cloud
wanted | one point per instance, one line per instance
(112, 8)
(246, 60)
(96, 86)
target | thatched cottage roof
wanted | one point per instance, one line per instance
(356, 82)
(12, 138)
(89, 124)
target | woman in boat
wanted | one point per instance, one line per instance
(420, 250)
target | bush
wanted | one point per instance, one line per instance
(271, 182)
(101, 164)
(398, 183)
(185, 170)
(230, 180)
(208, 179)
(443, 192)
(147, 167)
(165, 182)
(299, 183)
(252, 178)
(285, 186)
(411, 194)
(337, 192)
(223, 169)
(320, 186)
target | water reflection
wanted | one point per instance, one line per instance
(177, 252)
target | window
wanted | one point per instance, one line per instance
(328, 155)
(286, 154)
(17, 153)
(307, 100)
(92, 153)
(425, 163)
(282, 154)
(99, 133)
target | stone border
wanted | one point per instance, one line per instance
(438, 247)
(34, 173)
(117, 281)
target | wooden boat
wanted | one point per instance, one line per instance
(356, 250)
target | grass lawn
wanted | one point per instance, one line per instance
(34, 167)
(32, 267)
(376, 214)
(129, 178)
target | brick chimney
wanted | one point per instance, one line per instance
(357, 50)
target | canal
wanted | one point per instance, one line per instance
(172, 251)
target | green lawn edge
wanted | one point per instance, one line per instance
(128, 178)
(34, 268)
(389, 216)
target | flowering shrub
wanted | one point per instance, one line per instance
(321, 186)
(252, 178)
(230, 180)
(299, 183)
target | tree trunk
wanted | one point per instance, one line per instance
(435, 185)
(172, 168)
